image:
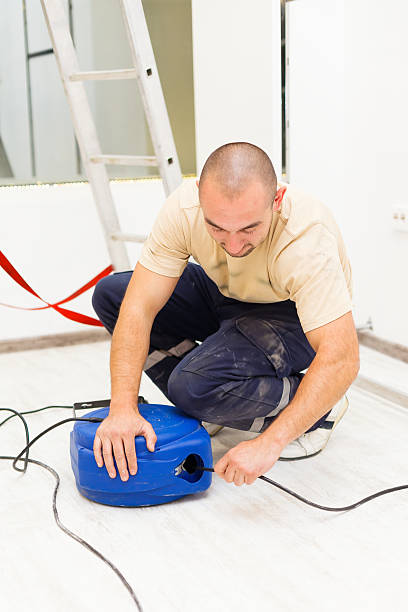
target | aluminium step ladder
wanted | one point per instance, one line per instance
(145, 71)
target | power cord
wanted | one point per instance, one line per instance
(328, 508)
(26, 460)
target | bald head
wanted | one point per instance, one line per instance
(234, 166)
(236, 191)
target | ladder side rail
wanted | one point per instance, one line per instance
(84, 128)
(152, 94)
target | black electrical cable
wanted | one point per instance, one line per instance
(40, 435)
(31, 412)
(65, 529)
(74, 535)
(26, 460)
(328, 508)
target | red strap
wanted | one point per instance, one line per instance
(69, 314)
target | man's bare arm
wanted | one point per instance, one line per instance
(331, 372)
(146, 294)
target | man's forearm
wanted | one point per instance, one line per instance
(130, 344)
(322, 386)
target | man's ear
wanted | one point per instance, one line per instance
(197, 182)
(278, 199)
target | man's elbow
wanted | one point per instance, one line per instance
(352, 363)
(355, 368)
(347, 363)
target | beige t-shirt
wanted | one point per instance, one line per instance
(303, 257)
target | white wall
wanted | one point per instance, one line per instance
(236, 46)
(14, 126)
(52, 236)
(54, 144)
(348, 100)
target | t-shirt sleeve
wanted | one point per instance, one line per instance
(310, 271)
(165, 250)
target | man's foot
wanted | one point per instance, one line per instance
(211, 428)
(313, 442)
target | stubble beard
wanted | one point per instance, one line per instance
(251, 248)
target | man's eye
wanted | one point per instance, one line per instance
(248, 231)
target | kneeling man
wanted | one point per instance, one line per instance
(269, 297)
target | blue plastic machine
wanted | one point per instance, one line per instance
(170, 472)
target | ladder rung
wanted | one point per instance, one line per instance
(104, 75)
(128, 237)
(125, 160)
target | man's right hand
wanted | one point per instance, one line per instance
(117, 432)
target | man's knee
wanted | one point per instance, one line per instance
(101, 294)
(178, 389)
(107, 298)
(192, 393)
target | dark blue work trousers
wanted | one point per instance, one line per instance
(247, 367)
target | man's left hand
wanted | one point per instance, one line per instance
(243, 463)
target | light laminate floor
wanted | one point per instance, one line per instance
(230, 549)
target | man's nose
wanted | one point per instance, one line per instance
(234, 244)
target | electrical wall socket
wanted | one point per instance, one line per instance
(400, 217)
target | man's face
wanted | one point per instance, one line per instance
(240, 224)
